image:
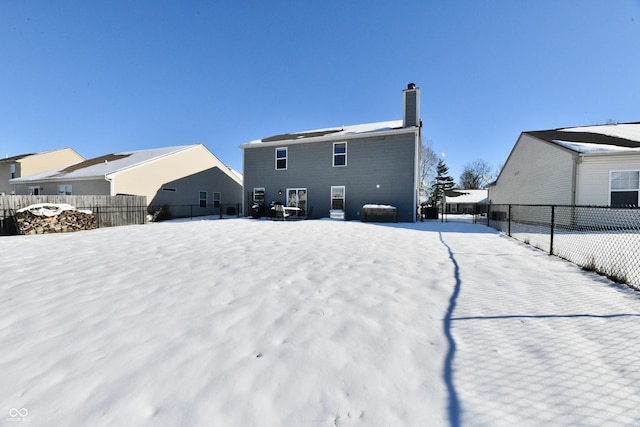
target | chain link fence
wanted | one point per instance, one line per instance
(601, 239)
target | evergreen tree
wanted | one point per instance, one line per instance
(443, 182)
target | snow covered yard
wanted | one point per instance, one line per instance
(315, 323)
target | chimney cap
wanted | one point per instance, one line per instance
(411, 86)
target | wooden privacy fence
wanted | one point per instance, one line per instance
(110, 211)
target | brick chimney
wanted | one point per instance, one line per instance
(411, 110)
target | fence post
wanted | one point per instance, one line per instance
(509, 222)
(220, 206)
(553, 221)
(97, 217)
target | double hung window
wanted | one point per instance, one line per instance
(281, 158)
(339, 154)
(337, 197)
(203, 199)
(258, 194)
(625, 186)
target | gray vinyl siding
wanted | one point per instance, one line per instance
(187, 189)
(78, 188)
(411, 109)
(379, 170)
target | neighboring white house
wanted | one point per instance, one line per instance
(188, 175)
(465, 201)
(588, 165)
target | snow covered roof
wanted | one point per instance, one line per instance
(330, 133)
(467, 196)
(99, 167)
(600, 139)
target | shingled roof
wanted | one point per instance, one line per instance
(598, 138)
(329, 133)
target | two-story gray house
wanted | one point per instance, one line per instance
(339, 169)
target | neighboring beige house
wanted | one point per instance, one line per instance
(181, 176)
(28, 164)
(589, 166)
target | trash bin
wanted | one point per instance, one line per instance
(431, 213)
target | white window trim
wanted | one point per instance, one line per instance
(217, 197)
(286, 158)
(254, 194)
(340, 154)
(306, 198)
(33, 190)
(618, 190)
(12, 170)
(344, 195)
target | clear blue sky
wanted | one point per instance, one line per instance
(111, 76)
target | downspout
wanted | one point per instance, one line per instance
(574, 178)
(416, 172)
(110, 181)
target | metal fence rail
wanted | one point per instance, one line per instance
(164, 212)
(597, 238)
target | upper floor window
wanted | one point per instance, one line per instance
(625, 186)
(281, 158)
(13, 170)
(339, 154)
(64, 190)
